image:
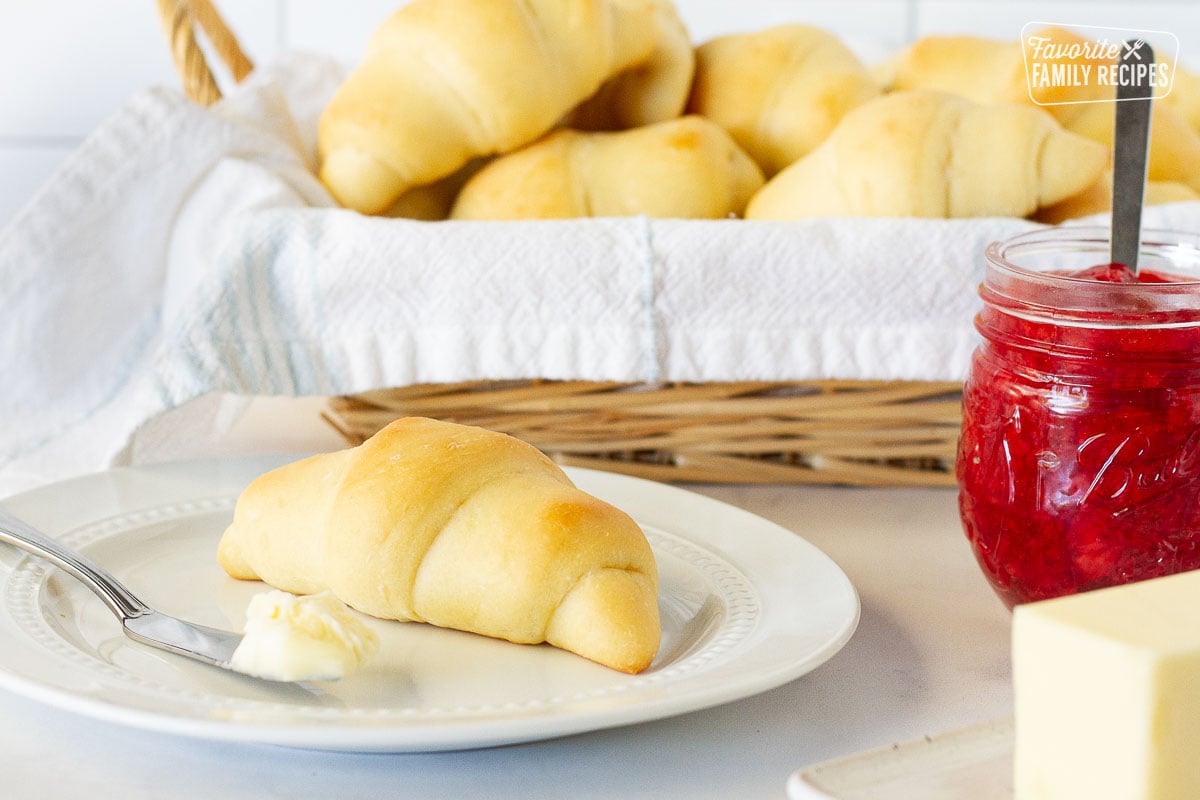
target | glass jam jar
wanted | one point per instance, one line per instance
(1079, 462)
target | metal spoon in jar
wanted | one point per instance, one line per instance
(1131, 144)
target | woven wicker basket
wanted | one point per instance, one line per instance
(877, 433)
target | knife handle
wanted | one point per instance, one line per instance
(124, 603)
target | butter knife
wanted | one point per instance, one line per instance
(139, 621)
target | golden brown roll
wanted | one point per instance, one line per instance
(688, 167)
(932, 154)
(653, 91)
(1185, 96)
(1097, 199)
(779, 92)
(460, 527)
(445, 81)
(988, 71)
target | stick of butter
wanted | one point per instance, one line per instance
(307, 638)
(1107, 691)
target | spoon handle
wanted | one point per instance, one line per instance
(1131, 144)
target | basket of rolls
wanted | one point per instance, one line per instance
(482, 120)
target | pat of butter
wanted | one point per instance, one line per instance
(307, 638)
(1107, 689)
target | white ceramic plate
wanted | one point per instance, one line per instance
(746, 606)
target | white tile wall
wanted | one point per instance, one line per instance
(63, 69)
(1003, 20)
(886, 20)
(69, 63)
(340, 29)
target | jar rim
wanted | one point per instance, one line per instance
(1024, 274)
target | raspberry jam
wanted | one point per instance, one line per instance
(1079, 462)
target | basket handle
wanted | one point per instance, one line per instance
(179, 20)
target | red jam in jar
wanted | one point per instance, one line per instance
(1079, 462)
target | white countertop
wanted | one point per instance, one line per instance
(931, 654)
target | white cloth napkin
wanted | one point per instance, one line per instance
(183, 253)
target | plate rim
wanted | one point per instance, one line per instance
(425, 737)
